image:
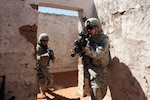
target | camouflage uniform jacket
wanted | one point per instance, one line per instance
(98, 50)
(43, 61)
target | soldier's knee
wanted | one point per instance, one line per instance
(43, 87)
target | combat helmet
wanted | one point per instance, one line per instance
(92, 22)
(43, 37)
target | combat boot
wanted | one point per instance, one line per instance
(41, 95)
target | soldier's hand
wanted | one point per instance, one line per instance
(83, 50)
(36, 68)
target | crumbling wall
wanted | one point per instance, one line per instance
(62, 31)
(18, 30)
(127, 25)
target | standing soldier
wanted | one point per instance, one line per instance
(44, 55)
(96, 59)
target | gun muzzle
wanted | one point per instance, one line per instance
(72, 55)
(72, 51)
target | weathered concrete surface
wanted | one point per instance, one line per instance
(62, 31)
(16, 52)
(127, 24)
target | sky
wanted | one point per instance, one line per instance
(57, 11)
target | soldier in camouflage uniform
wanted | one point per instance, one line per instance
(96, 59)
(44, 55)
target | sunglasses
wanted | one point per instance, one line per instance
(45, 41)
(90, 27)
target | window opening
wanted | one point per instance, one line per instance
(57, 11)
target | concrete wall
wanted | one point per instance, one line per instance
(127, 25)
(62, 31)
(18, 31)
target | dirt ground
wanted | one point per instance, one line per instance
(64, 94)
(65, 87)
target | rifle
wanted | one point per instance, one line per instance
(80, 43)
(51, 54)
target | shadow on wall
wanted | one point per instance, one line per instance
(123, 85)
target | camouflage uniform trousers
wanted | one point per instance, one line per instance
(45, 79)
(98, 81)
